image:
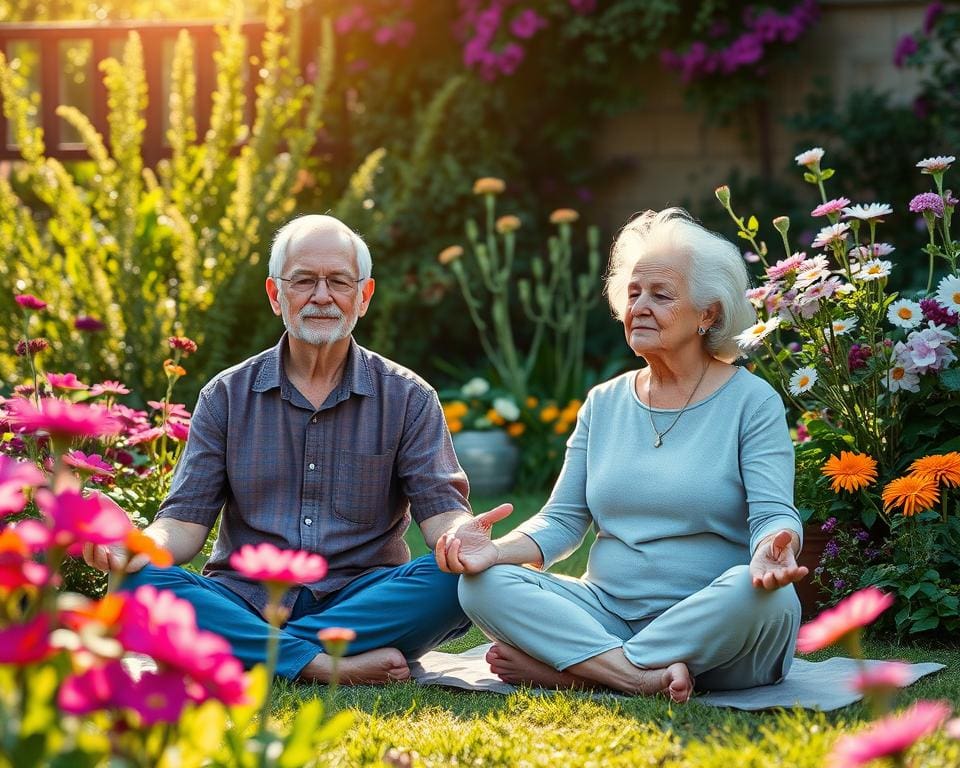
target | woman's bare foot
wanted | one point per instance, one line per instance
(514, 666)
(382, 665)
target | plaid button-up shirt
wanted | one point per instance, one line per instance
(341, 480)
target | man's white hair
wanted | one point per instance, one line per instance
(278, 251)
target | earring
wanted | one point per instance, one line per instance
(701, 330)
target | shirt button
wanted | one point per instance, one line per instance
(315, 419)
(308, 521)
(312, 465)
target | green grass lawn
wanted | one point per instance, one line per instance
(446, 727)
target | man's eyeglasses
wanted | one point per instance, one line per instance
(342, 284)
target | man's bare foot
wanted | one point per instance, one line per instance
(514, 666)
(382, 665)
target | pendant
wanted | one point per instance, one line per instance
(658, 442)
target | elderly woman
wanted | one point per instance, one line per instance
(685, 469)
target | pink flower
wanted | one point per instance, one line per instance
(927, 201)
(17, 569)
(76, 519)
(273, 566)
(833, 234)
(26, 643)
(170, 410)
(831, 206)
(88, 323)
(856, 611)
(527, 23)
(90, 464)
(65, 381)
(28, 301)
(178, 430)
(786, 266)
(890, 674)
(14, 477)
(109, 387)
(61, 419)
(906, 47)
(144, 435)
(185, 345)
(892, 735)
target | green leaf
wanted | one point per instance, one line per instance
(951, 379)
(753, 225)
(826, 173)
(868, 515)
(810, 177)
(911, 591)
(299, 747)
(927, 624)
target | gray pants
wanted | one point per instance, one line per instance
(729, 634)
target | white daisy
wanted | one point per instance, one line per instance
(905, 313)
(948, 292)
(810, 156)
(898, 377)
(476, 387)
(832, 234)
(842, 326)
(751, 338)
(875, 269)
(803, 380)
(936, 164)
(867, 212)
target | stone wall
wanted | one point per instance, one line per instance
(665, 154)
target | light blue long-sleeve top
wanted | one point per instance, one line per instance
(669, 520)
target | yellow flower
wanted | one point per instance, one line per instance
(850, 471)
(488, 185)
(912, 493)
(456, 409)
(495, 418)
(516, 429)
(507, 224)
(549, 413)
(564, 216)
(172, 369)
(450, 254)
(943, 468)
(531, 402)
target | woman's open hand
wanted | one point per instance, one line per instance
(469, 548)
(774, 564)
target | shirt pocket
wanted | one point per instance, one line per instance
(362, 487)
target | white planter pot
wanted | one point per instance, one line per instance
(489, 458)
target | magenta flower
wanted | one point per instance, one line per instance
(17, 568)
(178, 430)
(849, 615)
(76, 519)
(906, 47)
(927, 202)
(88, 464)
(273, 566)
(527, 23)
(26, 643)
(62, 420)
(147, 435)
(66, 381)
(930, 16)
(186, 346)
(88, 323)
(14, 477)
(28, 301)
(892, 735)
(109, 388)
(170, 410)
(935, 312)
(881, 677)
(157, 697)
(831, 206)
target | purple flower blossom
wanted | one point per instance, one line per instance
(858, 356)
(839, 583)
(930, 16)
(904, 50)
(829, 525)
(939, 314)
(861, 535)
(88, 323)
(527, 23)
(831, 549)
(927, 201)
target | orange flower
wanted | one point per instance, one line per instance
(516, 429)
(336, 639)
(507, 224)
(912, 493)
(494, 418)
(564, 216)
(138, 543)
(850, 471)
(549, 413)
(454, 425)
(488, 185)
(531, 402)
(943, 468)
(561, 427)
(450, 254)
(172, 369)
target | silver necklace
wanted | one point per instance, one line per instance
(660, 435)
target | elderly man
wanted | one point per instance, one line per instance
(321, 445)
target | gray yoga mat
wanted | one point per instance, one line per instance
(822, 685)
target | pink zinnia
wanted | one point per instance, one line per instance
(278, 567)
(892, 735)
(178, 430)
(90, 464)
(185, 345)
(14, 477)
(109, 387)
(26, 643)
(889, 674)
(28, 301)
(76, 519)
(61, 419)
(66, 381)
(856, 611)
(831, 206)
(145, 435)
(170, 410)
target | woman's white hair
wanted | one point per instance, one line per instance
(716, 275)
(278, 251)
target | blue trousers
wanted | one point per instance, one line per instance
(411, 607)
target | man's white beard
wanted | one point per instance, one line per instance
(319, 336)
